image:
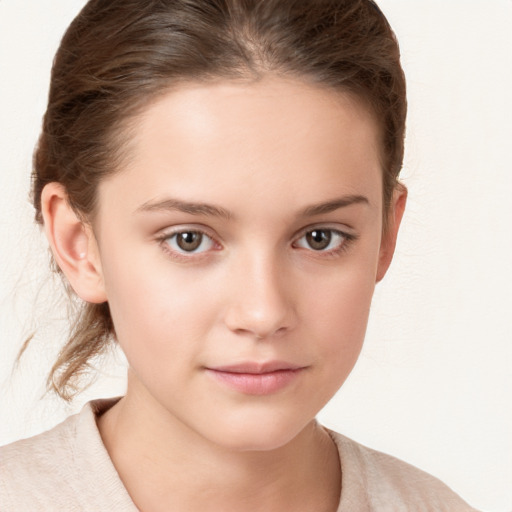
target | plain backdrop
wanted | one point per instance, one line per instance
(433, 384)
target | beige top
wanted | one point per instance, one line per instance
(68, 469)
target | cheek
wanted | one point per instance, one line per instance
(339, 314)
(153, 304)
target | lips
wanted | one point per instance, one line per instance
(254, 367)
(254, 378)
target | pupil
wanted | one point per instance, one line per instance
(319, 239)
(189, 241)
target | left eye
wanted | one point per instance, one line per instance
(321, 240)
(189, 242)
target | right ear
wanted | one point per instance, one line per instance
(73, 244)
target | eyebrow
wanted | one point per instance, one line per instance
(170, 204)
(333, 205)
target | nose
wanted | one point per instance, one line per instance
(262, 302)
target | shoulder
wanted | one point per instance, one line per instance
(65, 468)
(385, 483)
(38, 465)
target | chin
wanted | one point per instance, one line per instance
(262, 434)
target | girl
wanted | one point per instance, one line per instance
(218, 182)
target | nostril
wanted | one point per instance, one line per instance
(261, 334)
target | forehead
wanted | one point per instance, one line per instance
(257, 138)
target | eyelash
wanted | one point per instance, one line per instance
(185, 255)
(346, 240)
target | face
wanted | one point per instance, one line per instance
(239, 251)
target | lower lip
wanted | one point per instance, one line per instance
(257, 383)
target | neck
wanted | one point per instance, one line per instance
(166, 466)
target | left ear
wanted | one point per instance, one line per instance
(388, 242)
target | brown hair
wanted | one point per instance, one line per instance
(118, 55)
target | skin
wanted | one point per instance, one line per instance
(274, 161)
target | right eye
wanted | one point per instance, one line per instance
(189, 242)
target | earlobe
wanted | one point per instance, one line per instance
(73, 244)
(388, 243)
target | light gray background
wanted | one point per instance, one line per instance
(433, 385)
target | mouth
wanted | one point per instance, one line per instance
(253, 378)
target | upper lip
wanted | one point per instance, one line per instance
(256, 368)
